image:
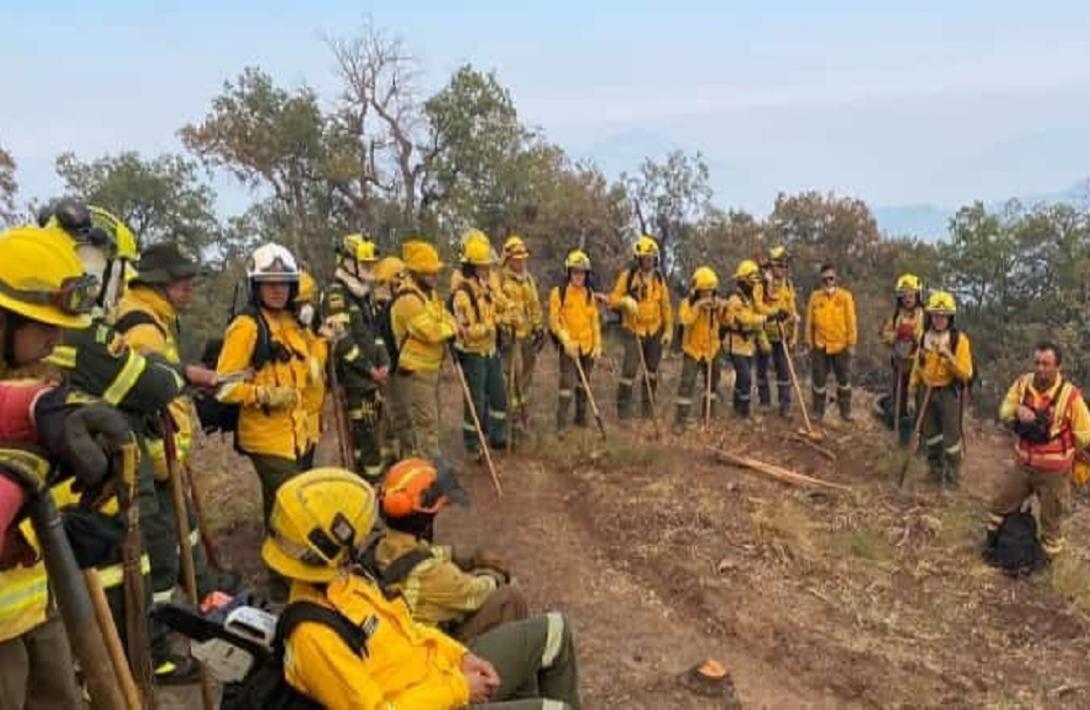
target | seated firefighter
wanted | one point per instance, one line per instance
(319, 522)
(465, 595)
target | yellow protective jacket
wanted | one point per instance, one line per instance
(524, 312)
(903, 330)
(745, 325)
(932, 369)
(700, 328)
(315, 392)
(651, 294)
(573, 311)
(830, 321)
(779, 297)
(436, 590)
(406, 665)
(475, 309)
(154, 329)
(281, 432)
(422, 327)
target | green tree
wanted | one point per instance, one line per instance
(160, 199)
(8, 187)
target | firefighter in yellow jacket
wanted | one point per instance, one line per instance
(1048, 414)
(319, 524)
(422, 328)
(777, 301)
(943, 366)
(465, 595)
(831, 335)
(266, 345)
(524, 324)
(744, 327)
(576, 325)
(901, 333)
(475, 307)
(701, 314)
(643, 298)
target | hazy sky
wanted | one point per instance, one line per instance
(898, 103)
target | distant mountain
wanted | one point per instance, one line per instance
(930, 222)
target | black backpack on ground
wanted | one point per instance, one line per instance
(1015, 548)
(265, 688)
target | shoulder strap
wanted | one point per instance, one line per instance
(403, 566)
(298, 612)
(465, 288)
(134, 318)
(263, 347)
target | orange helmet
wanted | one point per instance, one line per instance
(419, 486)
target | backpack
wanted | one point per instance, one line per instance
(214, 415)
(1015, 548)
(265, 687)
(386, 329)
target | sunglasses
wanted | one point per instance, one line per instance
(828, 279)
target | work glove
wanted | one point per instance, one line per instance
(490, 562)
(571, 348)
(276, 397)
(84, 441)
(667, 337)
(332, 328)
(630, 306)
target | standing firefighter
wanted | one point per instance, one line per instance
(526, 323)
(701, 315)
(421, 327)
(642, 297)
(831, 335)
(360, 355)
(395, 423)
(475, 309)
(745, 326)
(1050, 417)
(901, 333)
(266, 339)
(778, 303)
(575, 323)
(43, 289)
(943, 366)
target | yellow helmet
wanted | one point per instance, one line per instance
(389, 268)
(515, 248)
(747, 271)
(319, 518)
(477, 253)
(941, 303)
(705, 279)
(42, 279)
(124, 240)
(420, 257)
(358, 247)
(778, 255)
(909, 283)
(645, 246)
(578, 260)
(308, 288)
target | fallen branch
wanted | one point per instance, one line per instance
(780, 474)
(803, 439)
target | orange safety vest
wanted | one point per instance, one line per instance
(1057, 453)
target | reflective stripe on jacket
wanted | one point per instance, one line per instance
(1068, 423)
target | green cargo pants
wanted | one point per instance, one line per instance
(484, 375)
(840, 364)
(399, 435)
(535, 659)
(36, 669)
(571, 387)
(421, 392)
(632, 377)
(363, 414)
(273, 471)
(940, 430)
(691, 371)
(521, 357)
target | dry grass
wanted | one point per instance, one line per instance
(1070, 577)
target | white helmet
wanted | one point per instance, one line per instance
(272, 262)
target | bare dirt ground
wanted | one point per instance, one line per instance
(661, 557)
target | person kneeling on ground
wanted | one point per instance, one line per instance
(319, 522)
(465, 595)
